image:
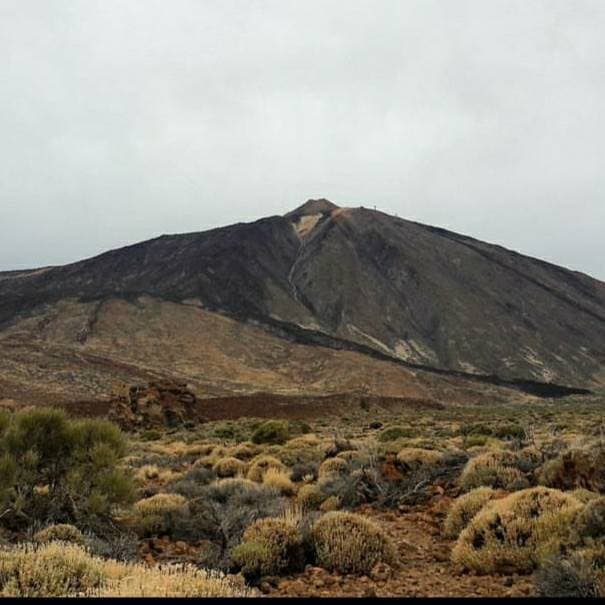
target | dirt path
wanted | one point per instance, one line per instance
(425, 569)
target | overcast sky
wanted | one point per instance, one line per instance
(121, 120)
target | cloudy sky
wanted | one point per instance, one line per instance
(124, 119)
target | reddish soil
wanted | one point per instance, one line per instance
(425, 569)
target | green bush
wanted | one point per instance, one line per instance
(270, 547)
(394, 432)
(351, 544)
(59, 469)
(272, 431)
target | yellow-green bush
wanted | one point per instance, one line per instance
(464, 508)
(574, 468)
(516, 533)
(329, 504)
(62, 532)
(229, 467)
(310, 496)
(61, 569)
(584, 495)
(411, 458)
(279, 480)
(269, 547)
(272, 431)
(135, 580)
(260, 465)
(51, 570)
(153, 514)
(495, 469)
(351, 544)
(333, 466)
(245, 451)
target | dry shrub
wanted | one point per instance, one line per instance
(270, 547)
(310, 496)
(465, 508)
(412, 458)
(493, 469)
(151, 472)
(589, 525)
(245, 451)
(279, 480)
(62, 532)
(206, 462)
(333, 466)
(349, 455)
(351, 544)
(154, 513)
(52, 570)
(578, 467)
(229, 467)
(578, 575)
(330, 504)
(135, 580)
(516, 533)
(60, 569)
(584, 495)
(304, 441)
(261, 464)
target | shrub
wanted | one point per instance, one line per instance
(151, 435)
(333, 466)
(330, 504)
(576, 576)
(304, 472)
(576, 468)
(305, 441)
(76, 461)
(221, 513)
(52, 570)
(584, 495)
(260, 465)
(509, 431)
(136, 580)
(62, 532)
(514, 534)
(190, 484)
(590, 522)
(272, 431)
(351, 544)
(229, 467)
(156, 515)
(492, 469)
(411, 458)
(270, 547)
(67, 570)
(279, 480)
(310, 497)
(394, 432)
(245, 451)
(465, 508)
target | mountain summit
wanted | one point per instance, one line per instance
(321, 275)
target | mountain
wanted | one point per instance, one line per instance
(272, 304)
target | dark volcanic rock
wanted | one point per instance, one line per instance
(404, 290)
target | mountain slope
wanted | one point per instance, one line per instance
(408, 291)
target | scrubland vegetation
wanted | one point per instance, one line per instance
(236, 507)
